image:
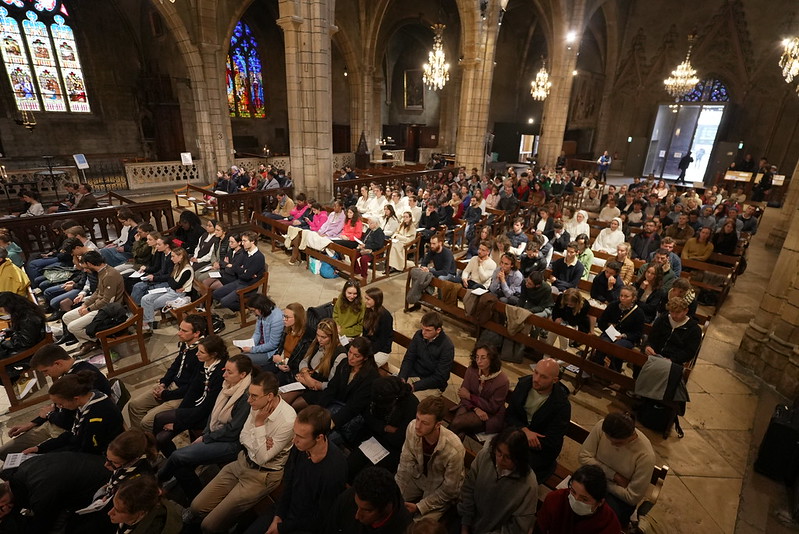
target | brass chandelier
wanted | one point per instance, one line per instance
(539, 88)
(683, 79)
(436, 70)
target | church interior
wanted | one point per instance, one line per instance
(154, 95)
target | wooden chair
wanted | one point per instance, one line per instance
(380, 256)
(18, 403)
(263, 284)
(193, 308)
(109, 338)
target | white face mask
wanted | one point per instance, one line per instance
(579, 507)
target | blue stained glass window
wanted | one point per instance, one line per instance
(708, 91)
(41, 56)
(245, 90)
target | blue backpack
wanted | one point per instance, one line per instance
(327, 271)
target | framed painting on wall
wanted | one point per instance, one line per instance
(414, 89)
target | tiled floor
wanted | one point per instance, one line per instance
(710, 488)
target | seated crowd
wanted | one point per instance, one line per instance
(304, 415)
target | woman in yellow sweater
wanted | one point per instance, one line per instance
(349, 310)
(698, 248)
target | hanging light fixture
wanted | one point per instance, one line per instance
(436, 70)
(790, 58)
(539, 88)
(683, 78)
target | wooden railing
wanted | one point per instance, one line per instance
(34, 234)
(235, 209)
(388, 177)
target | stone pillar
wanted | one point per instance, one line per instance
(776, 237)
(561, 64)
(216, 139)
(769, 345)
(475, 94)
(307, 28)
(362, 93)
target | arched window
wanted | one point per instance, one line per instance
(41, 57)
(245, 90)
(708, 91)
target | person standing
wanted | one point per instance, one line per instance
(683, 165)
(603, 163)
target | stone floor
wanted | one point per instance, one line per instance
(711, 487)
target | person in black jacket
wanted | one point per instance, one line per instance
(674, 335)
(200, 397)
(25, 325)
(348, 392)
(539, 405)
(378, 325)
(428, 361)
(646, 242)
(251, 269)
(372, 505)
(97, 419)
(429, 222)
(558, 237)
(534, 258)
(393, 405)
(54, 362)
(373, 239)
(190, 230)
(158, 273)
(607, 284)
(568, 270)
(627, 319)
(170, 390)
(570, 309)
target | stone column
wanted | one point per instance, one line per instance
(776, 237)
(769, 345)
(562, 62)
(476, 77)
(213, 122)
(307, 29)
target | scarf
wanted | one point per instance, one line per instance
(223, 408)
(184, 348)
(485, 378)
(207, 371)
(83, 410)
(134, 470)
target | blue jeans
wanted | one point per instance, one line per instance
(226, 295)
(151, 303)
(182, 462)
(35, 267)
(141, 288)
(113, 257)
(55, 302)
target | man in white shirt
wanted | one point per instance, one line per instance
(266, 439)
(477, 274)
(610, 211)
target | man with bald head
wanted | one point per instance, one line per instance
(540, 406)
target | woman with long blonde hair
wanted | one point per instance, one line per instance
(179, 288)
(406, 232)
(317, 367)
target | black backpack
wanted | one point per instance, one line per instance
(109, 316)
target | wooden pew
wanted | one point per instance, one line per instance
(18, 403)
(119, 334)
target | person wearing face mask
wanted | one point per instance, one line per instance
(500, 491)
(579, 509)
(626, 457)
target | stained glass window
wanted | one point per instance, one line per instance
(708, 91)
(245, 90)
(41, 57)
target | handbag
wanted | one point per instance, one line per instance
(314, 265)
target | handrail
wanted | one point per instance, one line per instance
(236, 209)
(34, 234)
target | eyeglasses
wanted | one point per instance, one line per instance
(112, 464)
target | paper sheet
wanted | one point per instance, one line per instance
(136, 274)
(95, 506)
(294, 386)
(206, 268)
(15, 459)
(479, 291)
(612, 332)
(215, 274)
(344, 340)
(485, 437)
(241, 343)
(373, 450)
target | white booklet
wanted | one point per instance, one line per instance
(95, 506)
(479, 291)
(157, 290)
(15, 459)
(241, 343)
(612, 332)
(205, 269)
(372, 449)
(215, 274)
(294, 386)
(136, 274)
